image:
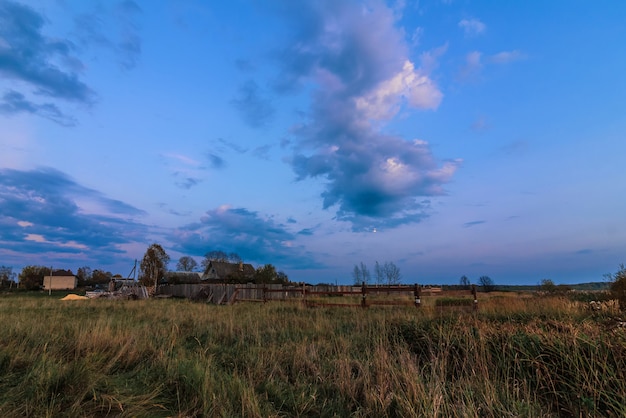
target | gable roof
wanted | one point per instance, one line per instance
(223, 270)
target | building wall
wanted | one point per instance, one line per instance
(60, 282)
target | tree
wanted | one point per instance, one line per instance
(268, 274)
(219, 256)
(31, 277)
(84, 275)
(99, 277)
(618, 286)
(153, 265)
(464, 282)
(186, 263)
(486, 283)
(7, 276)
(379, 274)
(361, 274)
(357, 275)
(392, 273)
(547, 286)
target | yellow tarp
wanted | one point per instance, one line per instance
(74, 297)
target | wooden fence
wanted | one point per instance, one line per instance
(333, 296)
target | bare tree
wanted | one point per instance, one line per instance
(379, 274)
(186, 263)
(464, 282)
(357, 275)
(486, 283)
(392, 273)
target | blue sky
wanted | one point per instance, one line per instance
(449, 137)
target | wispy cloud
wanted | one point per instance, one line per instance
(14, 102)
(472, 27)
(256, 110)
(473, 223)
(254, 237)
(506, 57)
(114, 28)
(363, 77)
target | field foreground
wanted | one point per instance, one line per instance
(519, 356)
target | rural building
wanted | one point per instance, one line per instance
(60, 280)
(180, 277)
(221, 270)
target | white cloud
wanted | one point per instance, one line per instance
(506, 57)
(472, 27)
(25, 224)
(384, 102)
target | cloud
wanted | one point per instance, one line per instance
(472, 27)
(113, 29)
(28, 56)
(44, 210)
(255, 238)
(215, 161)
(361, 77)
(14, 102)
(255, 110)
(473, 65)
(506, 57)
(473, 223)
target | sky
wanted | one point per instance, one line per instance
(450, 137)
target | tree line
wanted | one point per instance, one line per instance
(384, 274)
(153, 267)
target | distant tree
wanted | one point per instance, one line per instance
(186, 263)
(153, 265)
(379, 274)
(31, 277)
(392, 273)
(357, 275)
(99, 277)
(234, 258)
(219, 256)
(464, 282)
(366, 273)
(7, 277)
(547, 286)
(268, 274)
(618, 286)
(486, 283)
(84, 275)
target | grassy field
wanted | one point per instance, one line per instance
(519, 356)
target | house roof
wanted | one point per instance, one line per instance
(224, 269)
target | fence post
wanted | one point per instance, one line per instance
(475, 297)
(417, 294)
(264, 294)
(364, 295)
(304, 294)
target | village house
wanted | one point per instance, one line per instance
(220, 271)
(60, 280)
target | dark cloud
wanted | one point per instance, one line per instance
(215, 161)
(255, 110)
(233, 146)
(30, 57)
(44, 210)
(472, 223)
(363, 78)
(186, 182)
(244, 65)
(15, 102)
(262, 152)
(245, 232)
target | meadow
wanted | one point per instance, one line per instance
(519, 356)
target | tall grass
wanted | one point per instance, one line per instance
(516, 357)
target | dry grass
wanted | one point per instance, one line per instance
(518, 356)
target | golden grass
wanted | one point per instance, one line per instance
(518, 356)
